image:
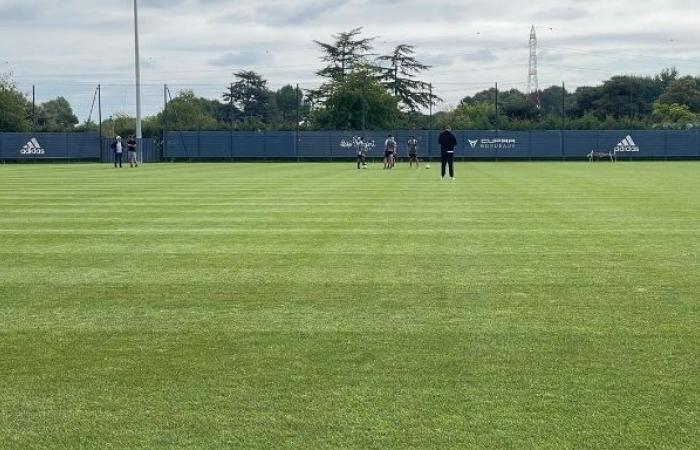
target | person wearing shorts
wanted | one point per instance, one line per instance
(389, 152)
(413, 152)
(131, 151)
(361, 153)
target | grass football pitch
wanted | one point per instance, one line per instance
(315, 306)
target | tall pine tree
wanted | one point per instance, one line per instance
(399, 77)
(251, 95)
(346, 51)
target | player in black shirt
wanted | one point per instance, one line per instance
(448, 142)
(413, 152)
(131, 148)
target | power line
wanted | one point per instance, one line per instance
(620, 54)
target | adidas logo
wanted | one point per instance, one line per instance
(32, 148)
(627, 145)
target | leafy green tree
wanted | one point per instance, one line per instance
(358, 101)
(673, 116)
(124, 125)
(184, 112)
(416, 120)
(551, 101)
(586, 122)
(472, 116)
(631, 96)
(251, 123)
(56, 116)
(485, 96)
(684, 91)
(516, 106)
(585, 101)
(347, 51)
(547, 122)
(440, 120)
(13, 107)
(512, 104)
(189, 112)
(87, 126)
(252, 97)
(399, 78)
(666, 77)
(222, 113)
(621, 96)
(289, 101)
(120, 124)
(151, 127)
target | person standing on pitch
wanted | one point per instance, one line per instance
(448, 142)
(413, 152)
(389, 152)
(361, 153)
(118, 150)
(131, 151)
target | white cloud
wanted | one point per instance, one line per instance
(471, 43)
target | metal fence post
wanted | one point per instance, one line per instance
(230, 143)
(297, 140)
(199, 150)
(562, 144)
(496, 124)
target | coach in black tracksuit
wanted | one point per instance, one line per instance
(448, 142)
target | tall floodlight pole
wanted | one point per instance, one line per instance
(139, 134)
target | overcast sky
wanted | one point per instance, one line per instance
(66, 48)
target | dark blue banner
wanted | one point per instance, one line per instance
(31, 146)
(571, 145)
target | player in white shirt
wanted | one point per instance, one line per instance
(389, 152)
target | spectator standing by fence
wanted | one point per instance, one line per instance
(131, 148)
(448, 142)
(118, 150)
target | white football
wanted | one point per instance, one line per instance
(427, 166)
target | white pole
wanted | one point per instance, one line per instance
(139, 134)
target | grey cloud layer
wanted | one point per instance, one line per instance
(469, 42)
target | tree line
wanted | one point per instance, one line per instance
(363, 90)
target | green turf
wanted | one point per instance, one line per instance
(314, 306)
